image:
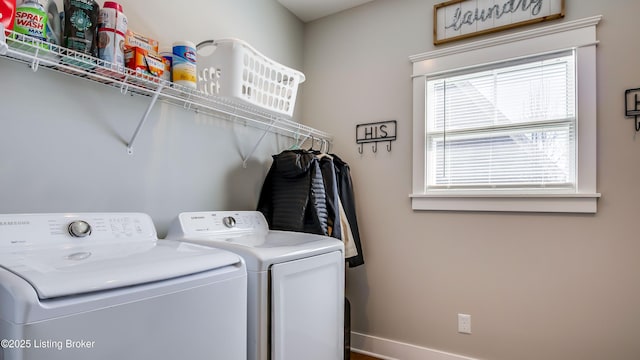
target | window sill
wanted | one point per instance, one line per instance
(563, 203)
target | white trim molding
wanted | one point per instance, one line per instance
(394, 350)
(569, 203)
(579, 35)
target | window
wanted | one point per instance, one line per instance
(508, 124)
(508, 127)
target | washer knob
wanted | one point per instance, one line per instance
(79, 228)
(229, 221)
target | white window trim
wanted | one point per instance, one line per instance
(579, 35)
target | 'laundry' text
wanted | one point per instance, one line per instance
(471, 17)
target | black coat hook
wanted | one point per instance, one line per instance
(632, 106)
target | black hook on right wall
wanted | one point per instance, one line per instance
(632, 106)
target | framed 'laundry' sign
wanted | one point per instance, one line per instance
(461, 19)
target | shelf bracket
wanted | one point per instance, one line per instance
(124, 87)
(144, 118)
(36, 62)
(266, 131)
(187, 103)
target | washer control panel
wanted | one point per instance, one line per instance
(223, 223)
(44, 229)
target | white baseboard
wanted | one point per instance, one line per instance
(394, 350)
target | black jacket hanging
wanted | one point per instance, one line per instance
(332, 196)
(293, 196)
(345, 191)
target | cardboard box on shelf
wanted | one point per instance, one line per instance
(133, 39)
(143, 61)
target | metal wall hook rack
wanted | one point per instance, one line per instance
(38, 54)
(632, 106)
(383, 131)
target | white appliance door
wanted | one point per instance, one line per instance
(307, 308)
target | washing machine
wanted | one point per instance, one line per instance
(101, 286)
(295, 283)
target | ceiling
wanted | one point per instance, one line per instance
(309, 10)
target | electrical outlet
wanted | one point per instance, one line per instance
(464, 323)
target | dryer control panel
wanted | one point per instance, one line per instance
(222, 223)
(74, 228)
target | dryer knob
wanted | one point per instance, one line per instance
(79, 228)
(229, 221)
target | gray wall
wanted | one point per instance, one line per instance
(538, 286)
(63, 139)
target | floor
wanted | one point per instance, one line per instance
(356, 356)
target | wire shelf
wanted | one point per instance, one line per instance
(39, 54)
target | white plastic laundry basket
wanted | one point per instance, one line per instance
(237, 70)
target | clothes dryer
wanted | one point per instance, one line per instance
(296, 283)
(100, 286)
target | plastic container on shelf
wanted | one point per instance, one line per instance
(232, 68)
(167, 60)
(184, 64)
(40, 21)
(7, 14)
(112, 26)
(80, 25)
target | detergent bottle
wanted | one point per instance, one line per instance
(80, 25)
(39, 20)
(7, 13)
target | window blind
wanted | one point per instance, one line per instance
(510, 125)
